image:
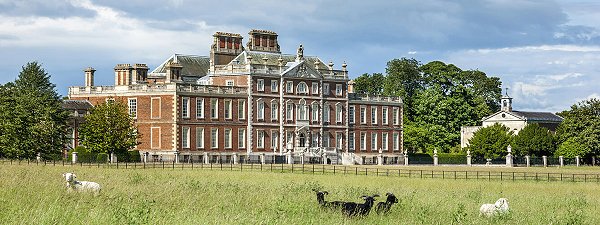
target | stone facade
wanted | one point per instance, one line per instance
(260, 101)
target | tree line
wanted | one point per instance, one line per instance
(33, 120)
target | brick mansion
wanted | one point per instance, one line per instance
(244, 102)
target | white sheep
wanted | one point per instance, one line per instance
(500, 207)
(74, 185)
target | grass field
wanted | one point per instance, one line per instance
(37, 195)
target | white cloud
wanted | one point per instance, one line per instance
(560, 77)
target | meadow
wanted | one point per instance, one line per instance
(36, 194)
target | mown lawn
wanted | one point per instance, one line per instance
(37, 195)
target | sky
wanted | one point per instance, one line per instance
(547, 53)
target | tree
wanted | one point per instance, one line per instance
(32, 114)
(571, 148)
(369, 84)
(581, 127)
(403, 79)
(534, 140)
(109, 128)
(490, 142)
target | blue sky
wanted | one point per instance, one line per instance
(545, 52)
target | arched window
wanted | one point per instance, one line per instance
(302, 110)
(302, 88)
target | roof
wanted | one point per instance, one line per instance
(273, 59)
(538, 116)
(76, 104)
(192, 65)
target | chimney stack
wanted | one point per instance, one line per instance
(123, 74)
(89, 76)
(225, 47)
(263, 41)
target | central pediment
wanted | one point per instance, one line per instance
(300, 70)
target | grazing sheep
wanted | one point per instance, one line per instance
(384, 207)
(75, 185)
(323, 203)
(353, 209)
(500, 207)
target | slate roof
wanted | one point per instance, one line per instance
(538, 116)
(273, 58)
(76, 104)
(192, 65)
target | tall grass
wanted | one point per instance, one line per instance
(37, 195)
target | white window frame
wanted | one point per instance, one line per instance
(214, 108)
(302, 110)
(289, 111)
(363, 141)
(339, 140)
(363, 115)
(374, 115)
(351, 114)
(289, 87)
(132, 105)
(326, 140)
(241, 138)
(338, 90)
(315, 111)
(200, 137)
(314, 140)
(302, 88)
(228, 138)
(214, 138)
(228, 109)
(351, 141)
(260, 109)
(229, 83)
(315, 88)
(396, 116)
(274, 110)
(338, 113)
(274, 139)
(274, 85)
(374, 142)
(384, 141)
(396, 141)
(326, 113)
(289, 137)
(199, 108)
(384, 115)
(185, 137)
(185, 107)
(260, 85)
(325, 89)
(260, 139)
(241, 109)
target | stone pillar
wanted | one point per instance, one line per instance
(468, 158)
(528, 160)
(290, 157)
(176, 156)
(206, 159)
(262, 158)
(146, 155)
(113, 157)
(302, 157)
(509, 159)
(235, 158)
(405, 158)
(545, 159)
(324, 157)
(74, 157)
(38, 157)
(577, 161)
(561, 160)
(435, 157)
(380, 157)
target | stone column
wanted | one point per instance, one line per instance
(405, 158)
(577, 161)
(262, 158)
(545, 159)
(509, 159)
(206, 159)
(113, 157)
(290, 157)
(302, 157)
(324, 157)
(435, 157)
(468, 158)
(235, 158)
(74, 157)
(561, 160)
(528, 160)
(176, 156)
(146, 155)
(380, 157)
(38, 157)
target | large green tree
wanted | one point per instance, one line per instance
(580, 129)
(404, 79)
(535, 141)
(490, 142)
(109, 128)
(369, 84)
(33, 120)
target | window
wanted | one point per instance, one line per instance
(289, 138)
(302, 88)
(214, 135)
(338, 113)
(315, 88)
(373, 114)
(227, 108)
(315, 112)
(326, 140)
(396, 141)
(289, 87)
(199, 108)
(373, 141)
(315, 140)
(260, 140)
(260, 85)
(227, 138)
(325, 89)
(384, 115)
(274, 136)
(363, 141)
(185, 137)
(261, 110)
(274, 85)
(241, 138)
(274, 110)
(199, 137)
(395, 115)
(326, 113)
(229, 83)
(338, 140)
(214, 111)
(302, 115)
(185, 107)
(133, 107)
(351, 115)
(363, 117)
(384, 141)
(241, 109)
(338, 89)
(289, 111)
(351, 141)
